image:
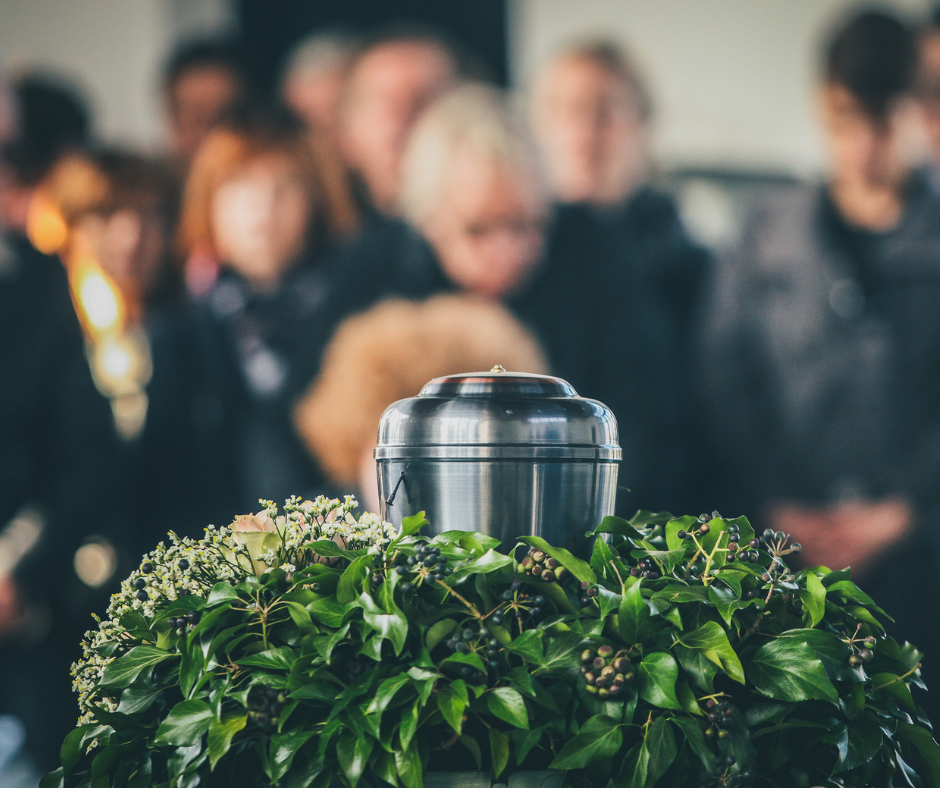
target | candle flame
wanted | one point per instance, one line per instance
(99, 302)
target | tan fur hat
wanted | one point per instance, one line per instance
(390, 352)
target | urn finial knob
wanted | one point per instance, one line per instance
(498, 368)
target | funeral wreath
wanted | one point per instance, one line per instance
(313, 647)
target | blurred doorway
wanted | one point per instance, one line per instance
(270, 30)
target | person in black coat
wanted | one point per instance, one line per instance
(480, 221)
(822, 354)
(58, 485)
(591, 113)
(228, 364)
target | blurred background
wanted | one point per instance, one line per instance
(232, 233)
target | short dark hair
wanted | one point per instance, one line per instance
(874, 57)
(52, 118)
(422, 34)
(202, 53)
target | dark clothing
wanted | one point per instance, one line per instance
(57, 458)
(823, 368)
(582, 304)
(227, 369)
(668, 266)
(823, 356)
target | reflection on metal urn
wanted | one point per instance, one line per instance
(504, 453)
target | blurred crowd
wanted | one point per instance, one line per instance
(181, 336)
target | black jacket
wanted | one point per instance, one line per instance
(586, 306)
(823, 355)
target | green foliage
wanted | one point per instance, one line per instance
(664, 661)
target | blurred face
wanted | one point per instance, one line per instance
(591, 132)
(314, 96)
(489, 230)
(260, 218)
(930, 90)
(386, 91)
(129, 246)
(864, 152)
(198, 100)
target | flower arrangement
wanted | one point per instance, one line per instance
(314, 648)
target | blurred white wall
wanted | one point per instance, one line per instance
(733, 80)
(113, 50)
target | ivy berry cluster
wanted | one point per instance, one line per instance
(425, 566)
(606, 674)
(547, 569)
(265, 705)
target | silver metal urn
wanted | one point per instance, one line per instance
(504, 453)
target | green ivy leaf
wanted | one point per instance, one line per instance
(633, 616)
(452, 700)
(221, 733)
(926, 746)
(658, 675)
(617, 525)
(508, 705)
(347, 590)
(386, 693)
(124, 670)
(858, 742)
(599, 738)
(725, 600)
(788, 669)
(408, 763)
(135, 700)
(832, 651)
(562, 651)
(185, 724)
(635, 768)
(221, 592)
(273, 659)
(692, 731)
(499, 749)
(77, 741)
(353, 750)
(687, 523)
(327, 611)
(473, 747)
(490, 561)
(700, 668)
(814, 599)
(660, 743)
(391, 625)
(890, 684)
(713, 642)
(529, 646)
(438, 632)
(580, 569)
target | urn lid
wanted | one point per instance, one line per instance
(498, 415)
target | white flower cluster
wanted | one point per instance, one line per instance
(252, 544)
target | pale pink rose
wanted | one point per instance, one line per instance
(253, 522)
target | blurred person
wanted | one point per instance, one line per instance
(480, 222)
(203, 80)
(389, 83)
(928, 89)
(313, 79)
(388, 353)
(52, 119)
(56, 480)
(591, 114)
(226, 367)
(823, 350)
(116, 206)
